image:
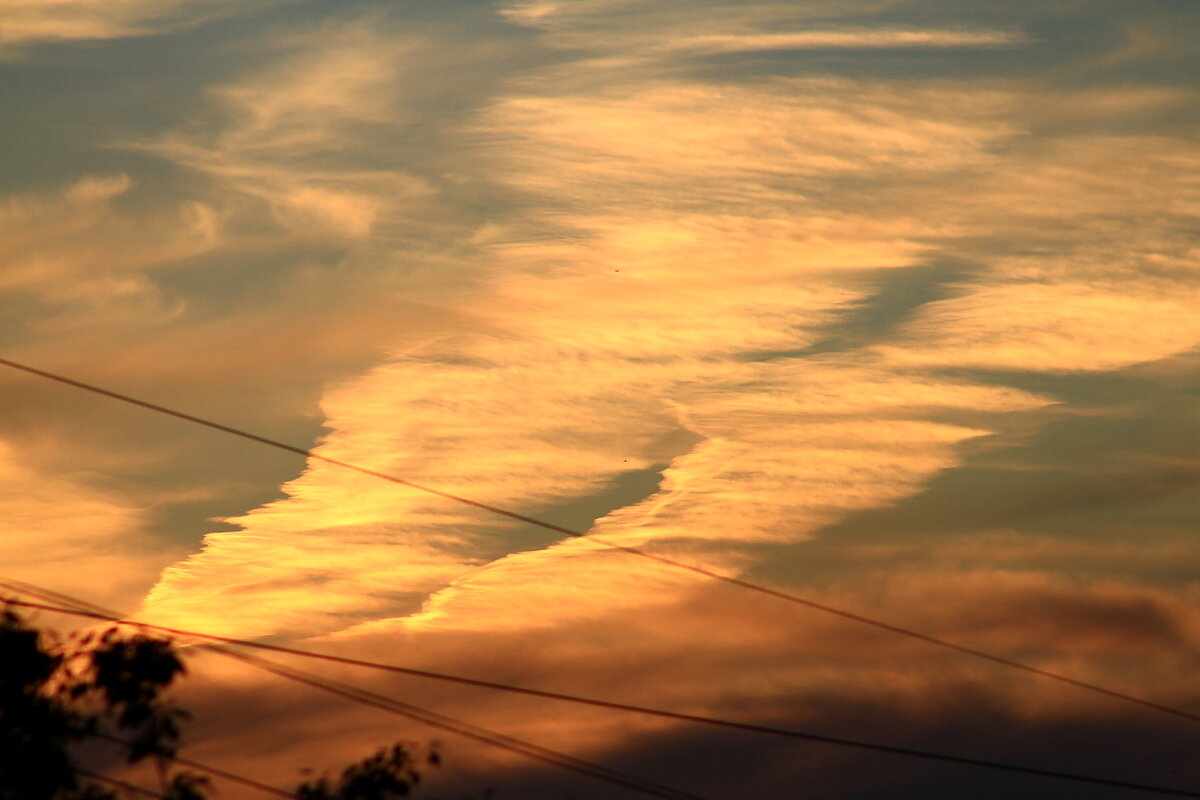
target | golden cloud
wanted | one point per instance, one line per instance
(57, 531)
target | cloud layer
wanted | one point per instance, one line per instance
(886, 304)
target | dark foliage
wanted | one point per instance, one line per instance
(35, 727)
(388, 775)
(58, 695)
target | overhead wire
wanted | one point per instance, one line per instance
(120, 784)
(211, 770)
(97, 612)
(393, 705)
(749, 727)
(434, 719)
(665, 560)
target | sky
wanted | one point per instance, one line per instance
(890, 305)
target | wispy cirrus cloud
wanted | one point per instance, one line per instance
(284, 130)
(33, 21)
(636, 35)
(597, 332)
(861, 38)
(86, 263)
(52, 521)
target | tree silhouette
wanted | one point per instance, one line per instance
(59, 695)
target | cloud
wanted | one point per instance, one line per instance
(861, 38)
(545, 416)
(810, 672)
(681, 249)
(305, 134)
(33, 21)
(608, 283)
(58, 532)
(620, 24)
(766, 143)
(642, 321)
(87, 262)
(1089, 268)
(1052, 327)
(587, 354)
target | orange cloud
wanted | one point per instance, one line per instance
(860, 38)
(33, 21)
(736, 656)
(625, 305)
(57, 531)
(87, 263)
(651, 320)
(284, 126)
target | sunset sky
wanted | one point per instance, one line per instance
(892, 305)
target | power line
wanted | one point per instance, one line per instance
(187, 762)
(215, 771)
(404, 709)
(410, 711)
(748, 585)
(120, 784)
(392, 705)
(750, 727)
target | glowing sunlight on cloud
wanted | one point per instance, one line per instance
(50, 521)
(838, 39)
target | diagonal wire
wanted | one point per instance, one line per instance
(120, 784)
(393, 705)
(187, 762)
(692, 568)
(750, 727)
(214, 771)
